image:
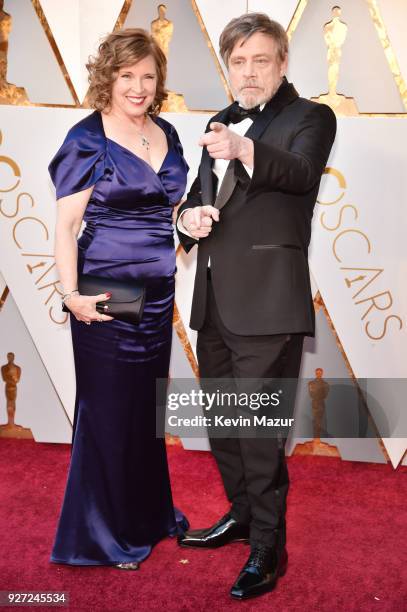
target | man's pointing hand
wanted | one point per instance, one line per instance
(223, 143)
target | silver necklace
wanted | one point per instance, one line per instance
(144, 141)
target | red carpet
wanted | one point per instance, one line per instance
(347, 530)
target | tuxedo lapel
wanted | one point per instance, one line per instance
(206, 178)
(227, 187)
(285, 95)
(206, 175)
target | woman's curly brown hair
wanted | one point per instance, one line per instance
(119, 49)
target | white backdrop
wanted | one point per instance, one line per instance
(358, 255)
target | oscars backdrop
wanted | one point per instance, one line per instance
(352, 56)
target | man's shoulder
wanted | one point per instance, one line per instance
(307, 106)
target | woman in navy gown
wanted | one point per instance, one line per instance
(121, 169)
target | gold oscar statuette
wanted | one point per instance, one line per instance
(318, 390)
(335, 32)
(9, 93)
(162, 30)
(11, 374)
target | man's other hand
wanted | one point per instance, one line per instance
(198, 220)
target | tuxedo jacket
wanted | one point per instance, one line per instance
(258, 250)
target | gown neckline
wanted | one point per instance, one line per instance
(137, 157)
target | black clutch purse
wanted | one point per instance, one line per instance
(127, 300)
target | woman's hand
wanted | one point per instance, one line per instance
(83, 307)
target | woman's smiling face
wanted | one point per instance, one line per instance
(134, 89)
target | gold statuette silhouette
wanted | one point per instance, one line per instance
(335, 33)
(162, 30)
(9, 93)
(11, 374)
(318, 390)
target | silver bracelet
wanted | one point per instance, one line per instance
(67, 296)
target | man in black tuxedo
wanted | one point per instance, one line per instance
(250, 210)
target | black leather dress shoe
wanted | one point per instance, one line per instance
(226, 530)
(261, 572)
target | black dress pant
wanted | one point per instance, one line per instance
(253, 469)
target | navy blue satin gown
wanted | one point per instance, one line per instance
(118, 501)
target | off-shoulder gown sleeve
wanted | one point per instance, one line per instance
(80, 162)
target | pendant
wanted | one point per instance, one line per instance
(145, 142)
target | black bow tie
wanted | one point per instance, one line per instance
(237, 113)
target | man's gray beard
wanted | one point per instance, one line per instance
(253, 101)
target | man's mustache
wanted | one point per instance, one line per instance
(249, 84)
